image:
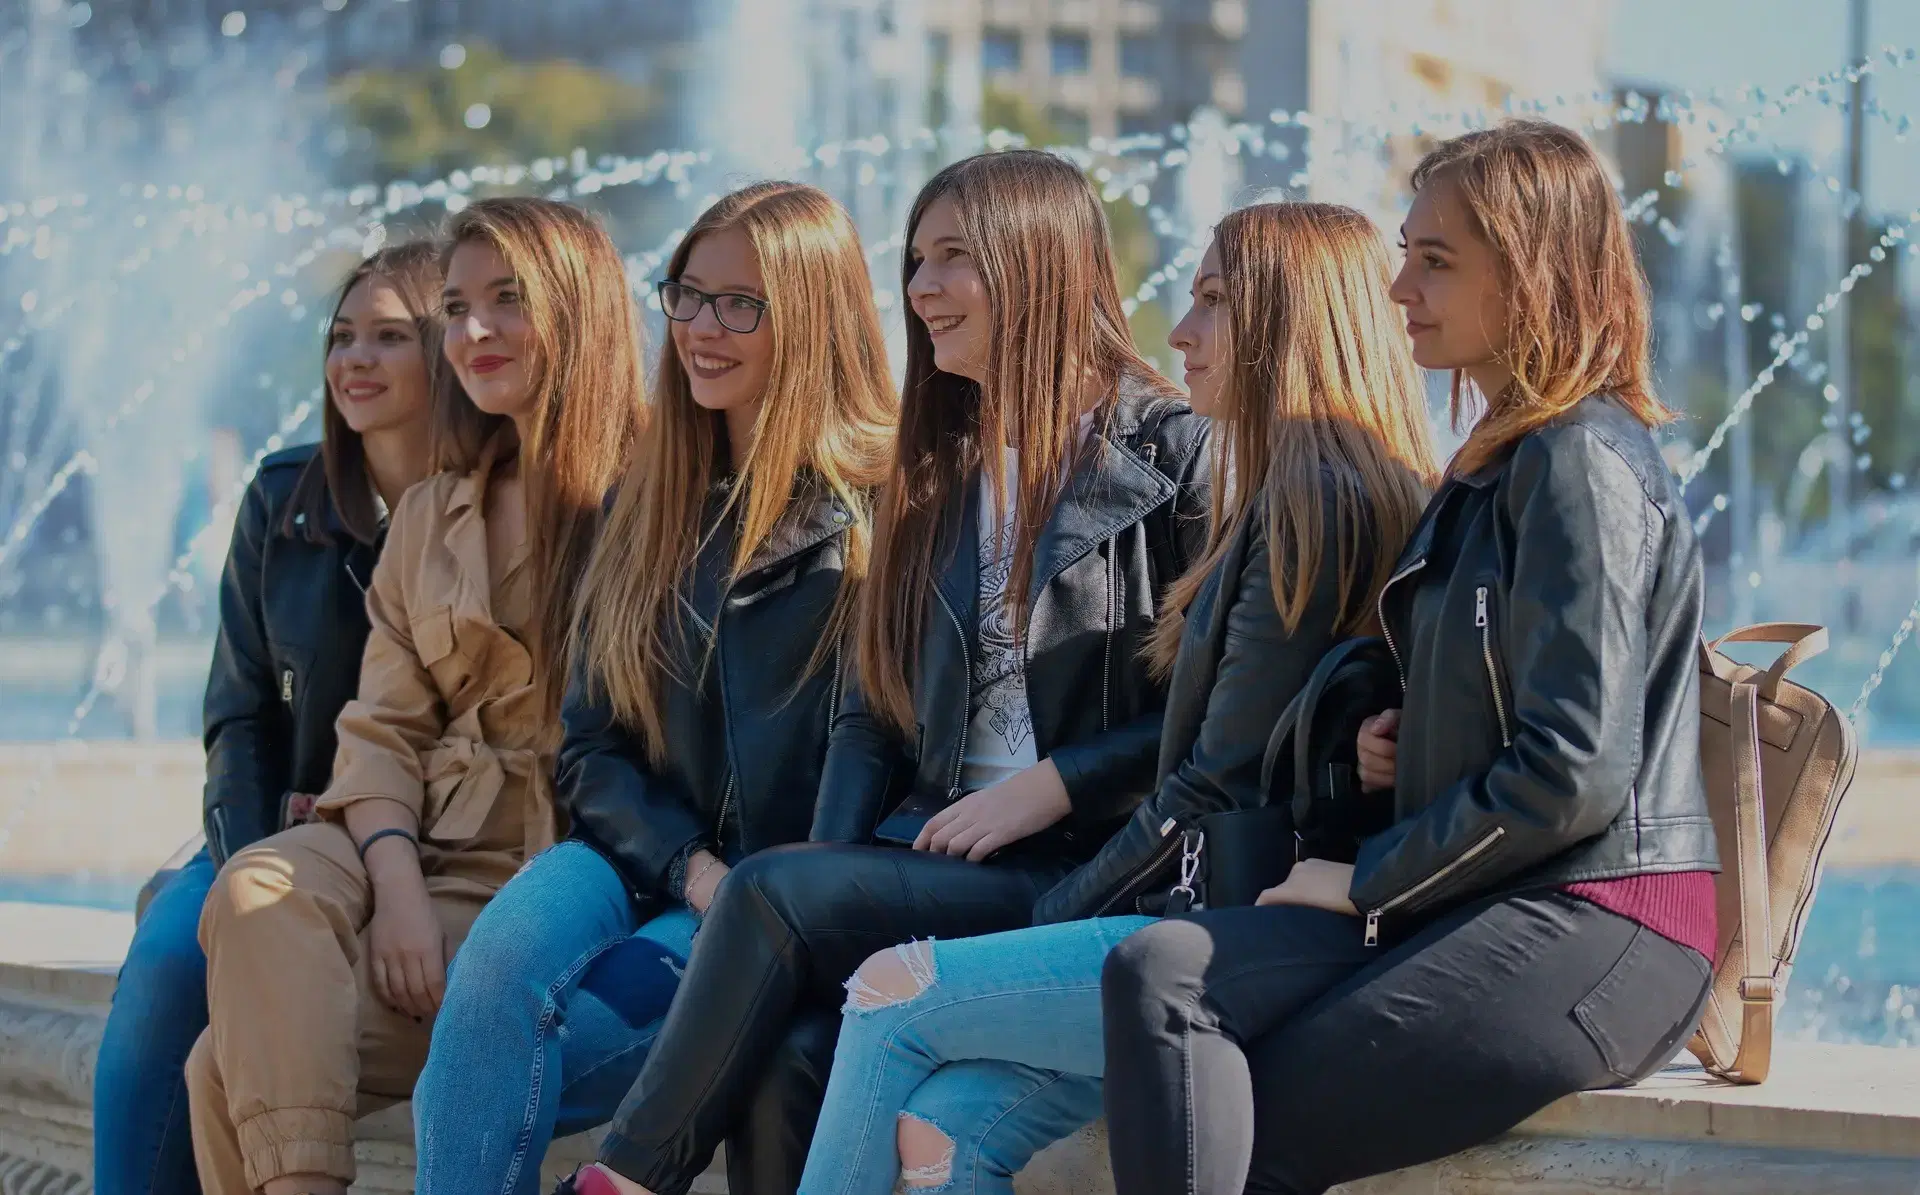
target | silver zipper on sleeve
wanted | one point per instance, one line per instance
(1486, 651)
(1169, 842)
(726, 807)
(1467, 856)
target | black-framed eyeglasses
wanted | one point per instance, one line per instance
(736, 312)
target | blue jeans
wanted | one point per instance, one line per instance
(551, 1004)
(141, 1144)
(1000, 1050)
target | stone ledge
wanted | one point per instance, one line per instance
(1832, 1119)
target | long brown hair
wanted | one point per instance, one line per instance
(825, 423)
(1577, 308)
(1039, 239)
(1320, 385)
(589, 399)
(413, 270)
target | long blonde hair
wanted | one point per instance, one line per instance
(589, 399)
(1039, 239)
(1578, 317)
(1321, 386)
(826, 421)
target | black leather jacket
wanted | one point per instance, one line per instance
(1133, 515)
(1546, 615)
(293, 623)
(747, 744)
(1237, 670)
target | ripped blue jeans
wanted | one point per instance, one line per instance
(551, 1005)
(994, 1042)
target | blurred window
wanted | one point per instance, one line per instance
(1071, 53)
(1000, 51)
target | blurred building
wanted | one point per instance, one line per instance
(1096, 68)
(1386, 78)
(1372, 69)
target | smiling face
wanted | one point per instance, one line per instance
(1200, 334)
(947, 293)
(1450, 289)
(727, 371)
(488, 341)
(376, 366)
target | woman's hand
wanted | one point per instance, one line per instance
(406, 948)
(707, 872)
(979, 824)
(1378, 747)
(1314, 884)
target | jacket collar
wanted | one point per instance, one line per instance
(1109, 487)
(466, 533)
(815, 515)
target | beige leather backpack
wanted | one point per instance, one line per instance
(1778, 759)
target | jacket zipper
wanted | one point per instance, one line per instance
(966, 656)
(1386, 632)
(1486, 651)
(286, 686)
(1106, 661)
(720, 827)
(1169, 843)
(1467, 856)
(833, 691)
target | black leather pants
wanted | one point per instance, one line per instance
(741, 1053)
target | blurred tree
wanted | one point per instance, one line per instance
(1136, 250)
(421, 119)
(1788, 416)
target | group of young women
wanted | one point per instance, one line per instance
(871, 721)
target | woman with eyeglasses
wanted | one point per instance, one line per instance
(705, 670)
(1046, 488)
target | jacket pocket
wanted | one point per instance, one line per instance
(440, 652)
(1645, 1007)
(433, 635)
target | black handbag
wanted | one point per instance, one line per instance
(1313, 808)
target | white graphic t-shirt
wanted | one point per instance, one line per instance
(1000, 735)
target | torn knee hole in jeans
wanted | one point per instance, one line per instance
(926, 1154)
(891, 977)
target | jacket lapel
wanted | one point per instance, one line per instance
(466, 534)
(1108, 489)
(810, 520)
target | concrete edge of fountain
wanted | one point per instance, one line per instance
(1830, 1118)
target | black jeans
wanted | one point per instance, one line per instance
(746, 1048)
(1268, 1050)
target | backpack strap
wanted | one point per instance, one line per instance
(1755, 1055)
(1804, 641)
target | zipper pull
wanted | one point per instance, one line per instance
(286, 686)
(1480, 606)
(1373, 928)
